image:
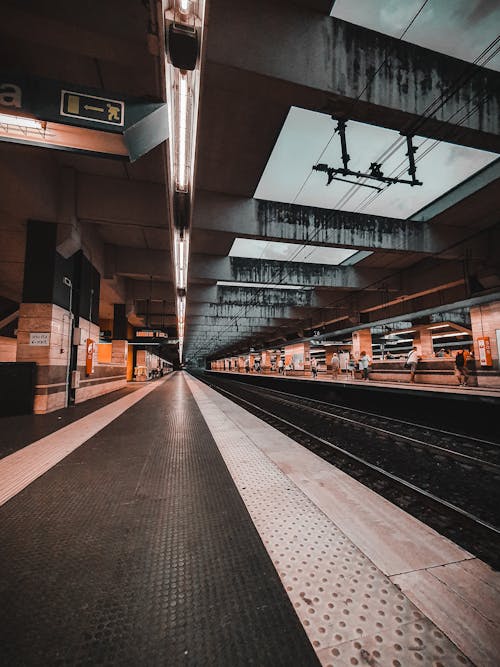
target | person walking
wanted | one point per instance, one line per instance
(335, 365)
(314, 367)
(461, 369)
(411, 363)
(280, 366)
(364, 363)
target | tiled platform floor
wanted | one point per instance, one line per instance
(136, 548)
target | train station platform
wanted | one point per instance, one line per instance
(392, 387)
(172, 527)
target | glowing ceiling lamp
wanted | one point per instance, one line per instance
(20, 121)
(184, 26)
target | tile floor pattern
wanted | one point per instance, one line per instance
(350, 610)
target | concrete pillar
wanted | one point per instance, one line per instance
(485, 323)
(265, 361)
(361, 341)
(328, 359)
(120, 323)
(44, 336)
(422, 340)
(299, 354)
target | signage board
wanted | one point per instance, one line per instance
(150, 333)
(40, 339)
(484, 346)
(93, 108)
(89, 357)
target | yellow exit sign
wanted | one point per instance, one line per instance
(93, 108)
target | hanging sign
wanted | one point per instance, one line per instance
(89, 357)
(90, 107)
(484, 351)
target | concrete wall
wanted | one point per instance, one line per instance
(8, 349)
(107, 376)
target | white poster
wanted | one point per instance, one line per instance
(40, 339)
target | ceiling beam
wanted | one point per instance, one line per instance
(326, 63)
(238, 269)
(275, 221)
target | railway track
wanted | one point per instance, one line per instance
(448, 480)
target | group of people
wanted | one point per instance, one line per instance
(346, 362)
(462, 358)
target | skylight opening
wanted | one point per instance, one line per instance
(435, 28)
(227, 283)
(289, 252)
(289, 178)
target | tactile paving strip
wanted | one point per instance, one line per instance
(351, 612)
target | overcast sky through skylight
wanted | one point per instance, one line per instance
(288, 176)
(289, 252)
(459, 28)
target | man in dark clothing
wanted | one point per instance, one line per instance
(461, 370)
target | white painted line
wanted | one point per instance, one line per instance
(20, 469)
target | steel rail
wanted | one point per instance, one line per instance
(367, 464)
(416, 443)
(392, 419)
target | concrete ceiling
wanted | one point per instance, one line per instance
(260, 59)
(116, 205)
(298, 56)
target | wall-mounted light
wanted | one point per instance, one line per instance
(450, 335)
(21, 121)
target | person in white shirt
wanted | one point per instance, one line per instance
(411, 362)
(364, 362)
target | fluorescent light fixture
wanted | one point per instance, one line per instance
(439, 326)
(20, 121)
(451, 335)
(181, 258)
(183, 127)
(229, 283)
(393, 334)
(289, 252)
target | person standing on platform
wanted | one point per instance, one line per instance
(247, 365)
(314, 367)
(364, 362)
(411, 362)
(335, 365)
(280, 366)
(461, 369)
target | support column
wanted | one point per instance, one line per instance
(328, 360)
(361, 341)
(45, 321)
(299, 355)
(422, 340)
(485, 323)
(265, 361)
(44, 336)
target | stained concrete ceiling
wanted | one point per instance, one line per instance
(261, 58)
